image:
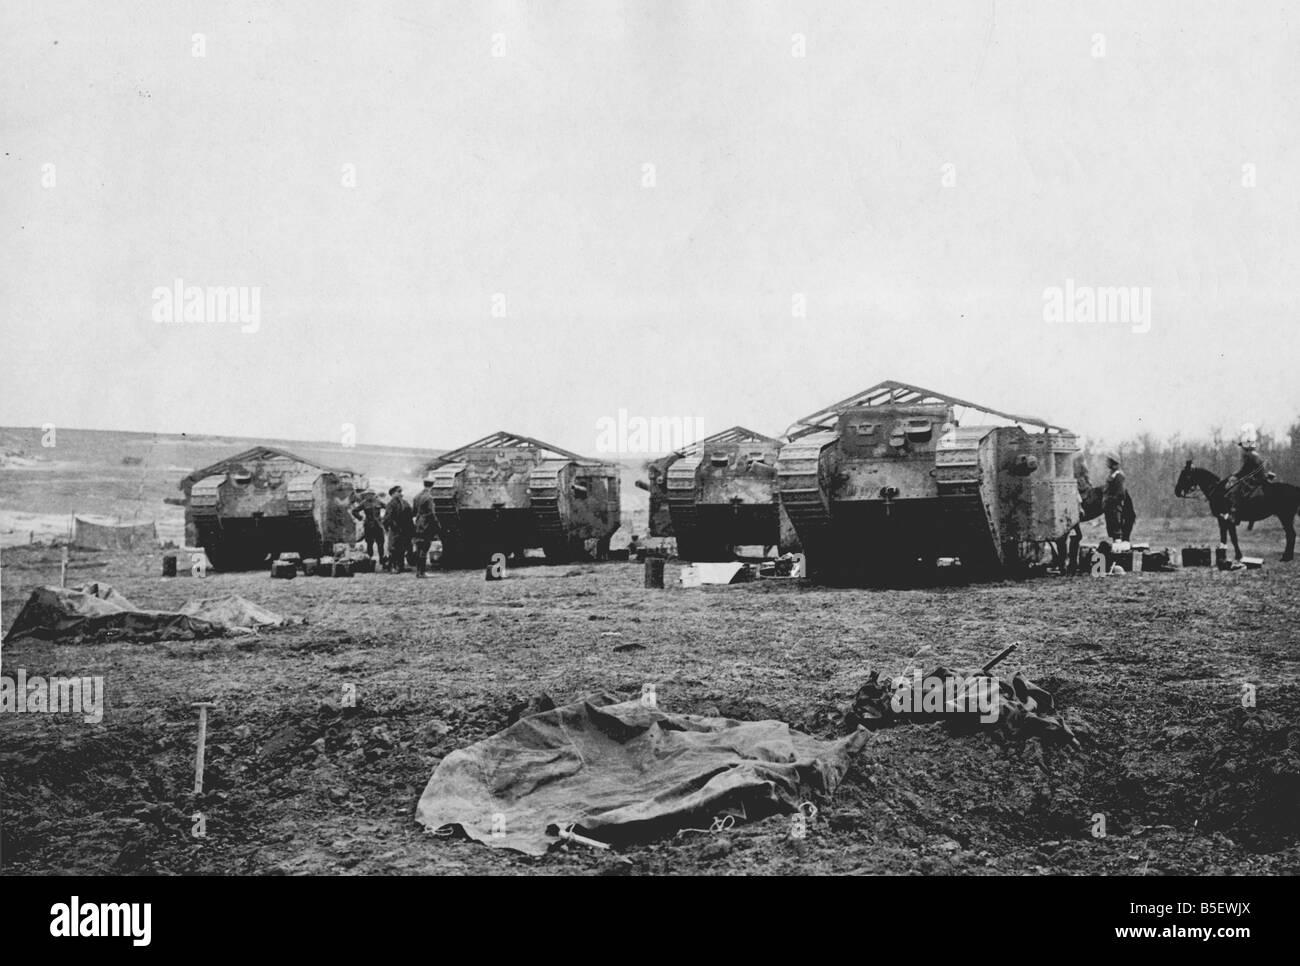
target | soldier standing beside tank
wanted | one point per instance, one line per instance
(370, 512)
(1113, 499)
(426, 526)
(398, 522)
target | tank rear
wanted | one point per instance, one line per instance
(257, 505)
(724, 496)
(508, 494)
(482, 503)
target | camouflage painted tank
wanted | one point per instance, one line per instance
(898, 476)
(509, 493)
(718, 494)
(266, 501)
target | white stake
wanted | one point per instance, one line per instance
(203, 738)
(570, 836)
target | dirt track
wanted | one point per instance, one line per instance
(1151, 666)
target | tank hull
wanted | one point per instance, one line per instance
(265, 502)
(889, 489)
(722, 494)
(507, 494)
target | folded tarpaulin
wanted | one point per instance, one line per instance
(98, 612)
(621, 772)
(235, 611)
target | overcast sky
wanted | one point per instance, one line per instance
(501, 148)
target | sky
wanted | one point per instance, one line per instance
(465, 217)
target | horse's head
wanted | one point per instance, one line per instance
(1081, 479)
(1186, 480)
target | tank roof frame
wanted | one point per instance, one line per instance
(261, 453)
(506, 440)
(735, 434)
(892, 392)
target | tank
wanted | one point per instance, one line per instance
(899, 476)
(267, 501)
(508, 493)
(718, 494)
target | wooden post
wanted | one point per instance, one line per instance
(203, 738)
(1001, 656)
(654, 572)
(63, 568)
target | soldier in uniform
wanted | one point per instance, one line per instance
(370, 511)
(1252, 475)
(398, 521)
(1114, 499)
(426, 526)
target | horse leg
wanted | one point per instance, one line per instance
(1288, 524)
(1076, 538)
(1236, 547)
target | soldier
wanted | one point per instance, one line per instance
(369, 511)
(426, 526)
(1114, 499)
(398, 522)
(1253, 474)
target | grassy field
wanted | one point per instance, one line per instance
(1150, 667)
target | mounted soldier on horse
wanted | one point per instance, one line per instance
(1250, 495)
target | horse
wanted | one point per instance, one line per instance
(1272, 499)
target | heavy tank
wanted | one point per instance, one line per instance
(717, 494)
(266, 501)
(899, 476)
(508, 493)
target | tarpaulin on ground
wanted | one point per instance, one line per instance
(234, 611)
(621, 772)
(97, 612)
(97, 535)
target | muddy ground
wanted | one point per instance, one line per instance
(1153, 667)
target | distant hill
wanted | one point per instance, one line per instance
(128, 475)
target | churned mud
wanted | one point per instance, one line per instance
(1175, 768)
